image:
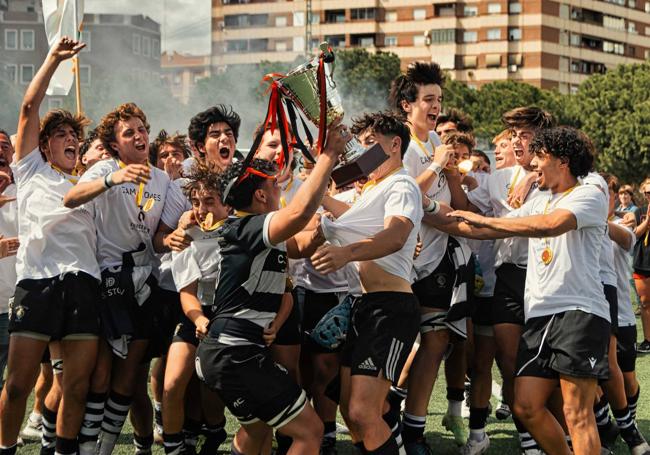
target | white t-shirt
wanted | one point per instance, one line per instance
(121, 225)
(8, 228)
(176, 203)
(396, 195)
(434, 242)
(200, 261)
(491, 198)
(571, 281)
(53, 239)
(622, 265)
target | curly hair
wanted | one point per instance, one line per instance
(566, 143)
(240, 195)
(106, 128)
(202, 176)
(528, 117)
(387, 123)
(200, 123)
(88, 141)
(176, 140)
(405, 86)
(462, 121)
(58, 117)
(458, 138)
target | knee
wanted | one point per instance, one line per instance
(525, 410)
(76, 388)
(173, 392)
(16, 390)
(361, 416)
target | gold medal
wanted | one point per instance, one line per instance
(208, 224)
(547, 255)
(148, 205)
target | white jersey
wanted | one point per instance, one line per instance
(570, 281)
(623, 266)
(8, 228)
(417, 159)
(396, 195)
(176, 203)
(491, 198)
(53, 239)
(121, 225)
(199, 262)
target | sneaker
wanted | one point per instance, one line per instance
(418, 447)
(32, 430)
(157, 435)
(503, 411)
(608, 436)
(328, 446)
(456, 425)
(644, 347)
(476, 447)
(535, 451)
(641, 449)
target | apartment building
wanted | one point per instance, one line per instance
(548, 43)
(181, 72)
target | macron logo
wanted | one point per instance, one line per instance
(368, 365)
(592, 362)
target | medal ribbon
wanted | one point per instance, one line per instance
(65, 174)
(372, 183)
(421, 145)
(140, 193)
(283, 200)
(547, 254)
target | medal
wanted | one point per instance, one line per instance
(208, 225)
(140, 194)
(547, 255)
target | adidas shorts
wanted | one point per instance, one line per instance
(508, 300)
(383, 328)
(626, 348)
(250, 383)
(571, 343)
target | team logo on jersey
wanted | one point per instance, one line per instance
(592, 362)
(19, 313)
(440, 279)
(110, 282)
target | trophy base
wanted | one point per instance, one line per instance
(362, 166)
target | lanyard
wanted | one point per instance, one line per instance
(372, 183)
(421, 145)
(65, 175)
(207, 225)
(140, 194)
(283, 200)
(566, 193)
(514, 181)
(242, 214)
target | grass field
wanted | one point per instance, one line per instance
(502, 433)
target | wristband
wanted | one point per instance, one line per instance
(108, 181)
(435, 167)
(433, 207)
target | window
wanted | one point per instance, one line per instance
(515, 59)
(358, 14)
(470, 36)
(11, 39)
(419, 14)
(564, 11)
(647, 7)
(314, 18)
(493, 60)
(470, 61)
(299, 43)
(26, 74)
(146, 46)
(86, 37)
(647, 54)
(299, 19)
(470, 11)
(390, 41)
(137, 43)
(84, 74)
(564, 37)
(155, 48)
(564, 64)
(281, 21)
(391, 16)
(613, 22)
(576, 40)
(494, 34)
(367, 41)
(647, 31)
(613, 48)
(237, 45)
(444, 35)
(631, 27)
(514, 8)
(418, 40)
(11, 71)
(281, 46)
(514, 34)
(336, 16)
(27, 40)
(334, 40)
(494, 8)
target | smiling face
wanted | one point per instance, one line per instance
(206, 201)
(131, 141)
(625, 198)
(549, 169)
(422, 112)
(521, 138)
(504, 154)
(62, 147)
(219, 146)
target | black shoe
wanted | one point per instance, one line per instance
(635, 441)
(502, 412)
(644, 347)
(328, 446)
(212, 442)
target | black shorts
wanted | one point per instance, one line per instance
(313, 306)
(185, 331)
(435, 290)
(482, 311)
(290, 333)
(65, 306)
(167, 312)
(249, 382)
(572, 343)
(508, 300)
(626, 348)
(612, 299)
(382, 331)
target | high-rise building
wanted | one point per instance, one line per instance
(548, 43)
(181, 72)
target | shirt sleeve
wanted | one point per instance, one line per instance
(28, 166)
(480, 196)
(97, 170)
(184, 268)
(404, 199)
(588, 204)
(175, 204)
(411, 162)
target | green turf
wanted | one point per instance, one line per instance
(503, 439)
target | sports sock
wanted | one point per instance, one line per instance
(48, 433)
(143, 444)
(477, 420)
(329, 429)
(413, 427)
(92, 423)
(455, 398)
(601, 411)
(526, 441)
(633, 401)
(117, 408)
(66, 446)
(8, 450)
(191, 430)
(387, 448)
(174, 443)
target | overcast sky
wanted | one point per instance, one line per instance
(185, 24)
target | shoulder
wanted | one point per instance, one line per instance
(435, 139)
(99, 169)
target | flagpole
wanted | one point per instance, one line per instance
(75, 61)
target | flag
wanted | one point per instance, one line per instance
(62, 18)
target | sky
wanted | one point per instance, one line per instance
(185, 24)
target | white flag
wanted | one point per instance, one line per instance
(62, 18)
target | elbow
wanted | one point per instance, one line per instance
(70, 202)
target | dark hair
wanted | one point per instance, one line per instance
(611, 180)
(481, 154)
(463, 122)
(176, 140)
(568, 144)
(199, 124)
(106, 128)
(202, 175)
(88, 141)
(528, 117)
(405, 86)
(58, 117)
(240, 193)
(457, 138)
(5, 133)
(386, 123)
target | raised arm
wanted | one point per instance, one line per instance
(291, 219)
(556, 223)
(28, 120)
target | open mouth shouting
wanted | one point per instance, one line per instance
(70, 152)
(224, 153)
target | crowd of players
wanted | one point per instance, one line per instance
(250, 285)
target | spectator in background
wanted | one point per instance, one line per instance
(453, 121)
(641, 266)
(626, 203)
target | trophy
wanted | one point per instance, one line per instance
(312, 90)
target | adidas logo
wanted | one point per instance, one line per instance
(367, 365)
(592, 362)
